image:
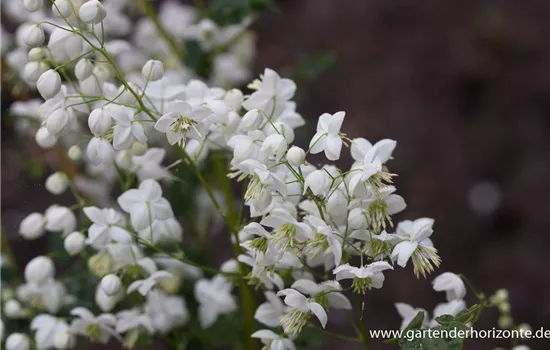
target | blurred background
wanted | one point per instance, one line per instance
(463, 86)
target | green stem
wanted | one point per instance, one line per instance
(150, 12)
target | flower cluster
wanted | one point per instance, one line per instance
(121, 109)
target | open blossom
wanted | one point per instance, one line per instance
(408, 313)
(97, 328)
(272, 311)
(145, 285)
(272, 94)
(273, 341)
(181, 121)
(215, 299)
(451, 284)
(127, 129)
(328, 137)
(302, 308)
(108, 224)
(364, 277)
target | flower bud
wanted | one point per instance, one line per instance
(12, 309)
(57, 121)
(92, 12)
(152, 70)
(39, 270)
(64, 339)
(74, 152)
(34, 36)
(99, 122)
(74, 243)
(33, 5)
(99, 150)
(49, 84)
(44, 139)
(33, 70)
(33, 226)
(111, 284)
(234, 99)
(36, 54)
(138, 149)
(318, 181)
(296, 156)
(252, 120)
(60, 219)
(57, 183)
(102, 71)
(230, 266)
(105, 302)
(91, 86)
(83, 69)
(100, 264)
(18, 341)
(62, 8)
(357, 219)
(123, 159)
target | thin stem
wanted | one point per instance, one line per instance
(150, 12)
(335, 335)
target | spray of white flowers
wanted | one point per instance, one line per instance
(118, 102)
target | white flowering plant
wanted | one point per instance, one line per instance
(147, 106)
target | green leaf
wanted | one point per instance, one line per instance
(416, 322)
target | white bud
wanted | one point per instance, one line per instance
(36, 54)
(99, 122)
(33, 70)
(34, 36)
(39, 270)
(18, 341)
(74, 152)
(139, 149)
(102, 71)
(252, 120)
(33, 5)
(74, 243)
(357, 219)
(234, 98)
(123, 159)
(318, 181)
(12, 309)
(274, 145)
(60, 219)
(64, 339)
(99, 150)
(83, 69)
(49, 84)
(57, 121)
(92, 12)
(111, 284)
(57, 183)
(105, 302)
(44, 139)
(62, 8)
(296, 156)
(33, 226)
(152, 70)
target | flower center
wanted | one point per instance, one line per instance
(183, 124)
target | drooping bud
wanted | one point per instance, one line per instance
(99, 122)
(33, 226)
(34, 36)
(152, 70)
(296, 156)
(92, 12)
(111, 284)
(74, 243)
(39, 270)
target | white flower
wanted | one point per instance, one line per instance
(145, 204)
(145, 285)
(33, 226)
(214, 297)
(39, 270)
(111, 284)
(58, 121)
(273, 341)
(166, 312)
(57, 183)
(149, 165)
(360, 146)
(47, 328)
(152, 70)
(328, 289)
(364, 277)
(252, 120)
(49, 294)
(13, 309)
(272, 311)
(97, 328)
(107, 226)
(18, 341)
(286, 229)
(44, 139)
(74, 153)
(100, 122)
(92, 12)
(416, 243)
(181, 121)
(62, 8)
(274, 145)
(318, 181)
(128, 320)
(63, 338)
(294, 321)
(371, 163)
(74, 243)
(49, 84)
(408, 313)
(162, 231)
(272, 94)
(334, 245)
(127, 130)
(451, 284)
(451, 308)
(99, 151)
(105, 302)
(296, 155)
(328, 137)
(34, 36)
